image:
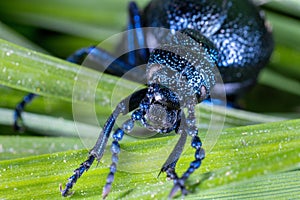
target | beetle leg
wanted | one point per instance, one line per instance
(18, 122)
(189, 128)
(125, 106)
(127, 127)
(136, 39)
(96, 152)
(100, 60)
(106, 62)
(116, 66)
(77, 174)
(169, 165)
(79, 55)
(115, 150)
(96, 57)
(136, 51)
(199, 156)
(76, 57)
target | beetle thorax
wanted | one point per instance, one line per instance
(184, 66)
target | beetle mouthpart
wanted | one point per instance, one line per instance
(157, 114)
(159, 117)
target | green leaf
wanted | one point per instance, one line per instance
(51, 77)
(12, 147)
(8, 34)
(246, 159)
(279, 81)
(71, 17)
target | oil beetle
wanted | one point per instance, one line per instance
(229, 34)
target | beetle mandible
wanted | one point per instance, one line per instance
(230, 34)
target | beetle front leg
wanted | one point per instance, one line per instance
(96, 152)
(77, 174)
(125, 106)
(169, 165)
(115, 150)
(199, 156)
(188, 127)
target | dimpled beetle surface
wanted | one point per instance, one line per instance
(228, 34)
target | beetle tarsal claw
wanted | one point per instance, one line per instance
(175, 189)
(106, 190)
(65, 192)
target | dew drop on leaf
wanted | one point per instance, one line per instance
(8, 53)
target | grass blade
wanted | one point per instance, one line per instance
(240, 154)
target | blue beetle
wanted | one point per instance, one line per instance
(231, 35)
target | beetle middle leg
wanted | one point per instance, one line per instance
(171, 161)
(179, 182)
(125, 106)
(115, 150)
(170, 164)
(187, 128)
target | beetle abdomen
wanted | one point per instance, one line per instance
(237, 28)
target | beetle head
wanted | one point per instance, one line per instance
(162, 108)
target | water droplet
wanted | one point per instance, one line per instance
(4, 70)
(280, 146)
(8, 53)
(227, 173)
